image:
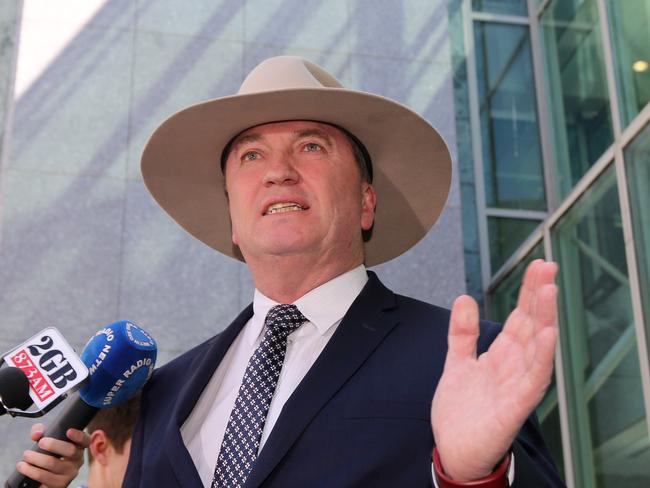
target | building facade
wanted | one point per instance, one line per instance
(554, 152)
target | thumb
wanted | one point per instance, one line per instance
(463, 329)
(37, 432)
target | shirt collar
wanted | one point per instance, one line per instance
(323, 306)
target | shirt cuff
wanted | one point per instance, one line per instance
(511, 475)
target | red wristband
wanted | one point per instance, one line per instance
(497, 479)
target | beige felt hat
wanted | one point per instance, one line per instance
(410, 161)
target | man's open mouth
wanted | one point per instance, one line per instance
(283, 207)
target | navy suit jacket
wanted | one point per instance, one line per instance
(359, 418)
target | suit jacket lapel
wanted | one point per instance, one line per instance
(361, 331)
(204, 367)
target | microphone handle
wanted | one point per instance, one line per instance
(77, 415)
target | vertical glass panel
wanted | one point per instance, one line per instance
(506, 235)
(512, 159)
(511, 7)
(503, 300)
(606, 411)
(576, 79)
(629, 21)
(637, 161)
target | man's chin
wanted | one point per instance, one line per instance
(282, 248)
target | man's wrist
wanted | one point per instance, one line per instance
(497, 479)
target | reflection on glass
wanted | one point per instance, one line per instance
(512, 157)
(577, 85)
(629, 20)
(637, 161)
(511, 7)
(606, 411)
(506, 235)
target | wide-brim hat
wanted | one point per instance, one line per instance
(410, 161)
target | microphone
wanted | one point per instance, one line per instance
(14, 390)
(120, 359)
(52, 369)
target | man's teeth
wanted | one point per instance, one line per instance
(283, 207)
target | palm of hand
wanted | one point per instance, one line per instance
(481, 403)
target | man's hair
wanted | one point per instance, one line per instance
(117, 423)
(361, 156)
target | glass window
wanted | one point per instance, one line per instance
(629, 22)
(503, 300)
(606, 411)
(511, 7)
(576, 79)
(506, 235)
(512, 159)
(637, 160)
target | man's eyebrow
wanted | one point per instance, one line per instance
(248, 138)
(301, 134)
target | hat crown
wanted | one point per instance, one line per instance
(287, 72)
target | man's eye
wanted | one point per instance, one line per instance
(313, 147)
(250, 156)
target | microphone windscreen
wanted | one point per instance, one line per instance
(14, 388)
(120, 358)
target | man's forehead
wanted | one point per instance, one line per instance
(298, 128)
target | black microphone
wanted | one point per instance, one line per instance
(120, 358)
(14, 390)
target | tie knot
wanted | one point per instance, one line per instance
(284, 319)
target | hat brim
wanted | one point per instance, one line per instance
(411, 162)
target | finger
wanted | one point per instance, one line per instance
(37, 431)
(45, 462)
(79, 437)
(528, 285)
(518, 328)
(544, 304)
(542, 365)
(48, 479)
(547, 306)
(525, 321)
(59, 447)
(524, 329)
(463, 329)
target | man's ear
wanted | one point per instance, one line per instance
(368, 204)
(99, 444)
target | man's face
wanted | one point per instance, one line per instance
(295, 188)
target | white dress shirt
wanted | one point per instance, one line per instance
(324, 308)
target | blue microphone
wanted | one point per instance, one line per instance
(120, 358)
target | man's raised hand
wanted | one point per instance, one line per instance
(481, 402)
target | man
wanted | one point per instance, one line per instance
(328, 378)
(315, 181)
(110, 443)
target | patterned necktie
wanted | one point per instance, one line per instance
(241, 440)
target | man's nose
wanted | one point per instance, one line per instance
(281, 171)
